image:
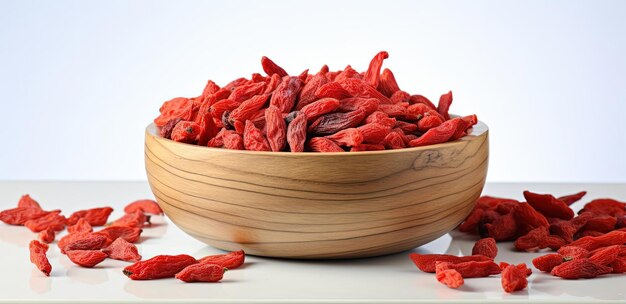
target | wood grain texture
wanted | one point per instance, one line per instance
(317, 205)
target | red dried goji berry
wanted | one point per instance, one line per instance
(347, 73)
(270, 68)
(547, 262)
(47, 236)
(580, 269)
(401, 97)
(470, 224)
(335, 122)
(82, 225)
(130, 234)
(284, 97)
(619, 265)
(28, 202)
(247, 91)
(166, 130)
(248, 108)
(321, 144)
(573, 252)
(145, 205)
(513, 279)
(159, 267)
(186, 132)
(332, 90)
(210, 88)
(374, 133)
(91, 241)
(473, 269)
(426, 262)
(276, 129)
(612, 238)
(135, 219)
(601, 223)
(381, 118)
(549, 205)
(369, 105)
(606, 255)
(53, 221)
(406, 127)
(567, 229)
(230, 260)
(359, 88)
(415, 99)
(20, 215)
(572, 198)
(86, 258)
(219, 108)
(436, 135)
(233, 141)
(347, 137)
(178, 107)
(448, 277)
(94, 216)
(522, 267)
(533, 240)
(307, 95)
(504, 228)
(444, 105)
(38, 256)
(253, 139)
(320, 107)
(387, 83)
(393, 140)
(201, 272)
(209, 129)
(373, 71)
(605, 206)
(486, 247)
(296, 132)
(528, 218)
(120, 249)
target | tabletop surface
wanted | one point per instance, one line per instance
(389, 279)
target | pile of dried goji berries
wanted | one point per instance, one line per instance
(587, 245)
(87, 248)
(324, 112)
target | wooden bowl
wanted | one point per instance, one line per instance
(317, 205)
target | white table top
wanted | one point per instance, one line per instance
(389, 279)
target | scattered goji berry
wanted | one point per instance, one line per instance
(572, 198)
(91, 241)
(130, 234)
(276, 129)
(230, 260)
(580, 269)
(448, 277)
(387, 83)
(28, 202)
(53, 221)
(135, 219)
(201, 272)
(271, 68)
(20, 215)
(47, 236)
(606, 255)
(121, 249)
(38, 256)
(546, 262)
(159, 267)
(82, 225)
(94, 216)
(86, 258)
(612, 238)
(145, 205)
(486, 247)
(549, 205)
(513, 279)
(426, 262)
(573, 252)
(473, 269)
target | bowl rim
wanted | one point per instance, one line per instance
(478, 130)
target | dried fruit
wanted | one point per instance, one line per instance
(448, 277)
(230, 260)
(276, 129)
(20, 215)
(472, 269)
(28, 202)
(201, 272)
(486, 247)
(53, 221)
(86, 258)
(296, 133)
(145, 205)
(130, 234)
(159, 267)
(321, 144)
(253, 139)
(94, 216)
(426, 262)
(548, 205)
(82, 225)
(513, 279)
(121, 249)
(547, 262)
(38, 256)
(580, 269)
(91, 241)
(47, 236)
(135, 219)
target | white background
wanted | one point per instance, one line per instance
(80, 80)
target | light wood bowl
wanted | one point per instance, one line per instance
(317, 205)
